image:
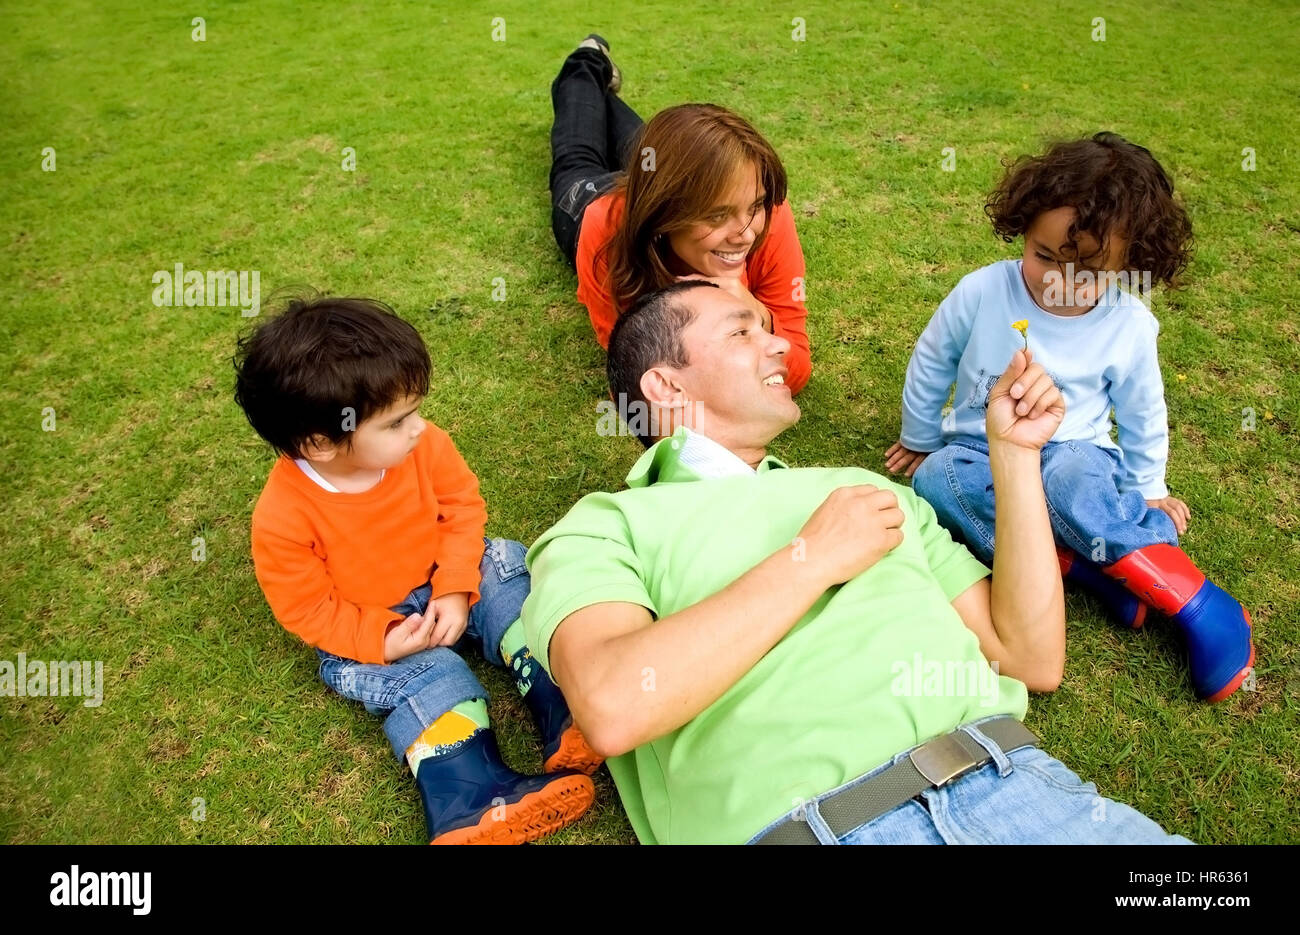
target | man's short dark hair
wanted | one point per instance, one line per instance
(298, 374)
(647, 335)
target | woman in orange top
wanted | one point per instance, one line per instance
(695, 193)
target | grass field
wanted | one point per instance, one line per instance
(228, 153)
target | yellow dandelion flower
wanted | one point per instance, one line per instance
(1182, 378)
(1023, 327)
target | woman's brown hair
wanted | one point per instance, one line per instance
(1114, 186)
(679, 166)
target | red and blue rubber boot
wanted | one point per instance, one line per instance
(1123, 606)
(1217, 628)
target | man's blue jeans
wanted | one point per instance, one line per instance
(416, 690)
(1026, 797)
(1081, 482)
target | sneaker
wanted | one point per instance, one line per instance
(593, 41)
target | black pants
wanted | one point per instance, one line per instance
(590, 141)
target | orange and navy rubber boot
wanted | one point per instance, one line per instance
(1123, 606)
(471, 797)
(563, 746)
(1220, 648)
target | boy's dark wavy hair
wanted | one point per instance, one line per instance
(297, 372)
(1114, 186)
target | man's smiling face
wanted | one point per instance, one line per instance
(736, 372)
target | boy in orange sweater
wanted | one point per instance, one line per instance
(368, 544)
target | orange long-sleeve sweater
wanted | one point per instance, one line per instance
(774, 274)
(331, 564)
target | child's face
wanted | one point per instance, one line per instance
(381, 441)
(1047, 254)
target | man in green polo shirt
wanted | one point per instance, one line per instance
(743, 639)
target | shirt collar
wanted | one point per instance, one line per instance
(690, 456)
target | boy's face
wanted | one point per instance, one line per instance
(380, 442)
(1047, 254)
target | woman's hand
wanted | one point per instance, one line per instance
(1178, 511)
(735, 287)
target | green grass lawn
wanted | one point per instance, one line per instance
(226, 154)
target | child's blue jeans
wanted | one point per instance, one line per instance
(1081, 482)
(416, 690)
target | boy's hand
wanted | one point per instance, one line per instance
(409, 636)
(1178, 511)
(450, 614)
(901, 460)
(1025, 406)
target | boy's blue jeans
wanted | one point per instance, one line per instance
(416, 690)
(1081, 482)
(1025, 797)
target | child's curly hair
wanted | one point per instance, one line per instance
(1113, 186)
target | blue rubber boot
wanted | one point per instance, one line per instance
(563, 746)
(471, 797)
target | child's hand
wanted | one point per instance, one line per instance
(1178, 511)
(1025, 406)
(900, 460)
(450, 614)
(409, 636)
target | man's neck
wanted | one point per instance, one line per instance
(751, 455)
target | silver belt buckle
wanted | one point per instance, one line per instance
(941, 760)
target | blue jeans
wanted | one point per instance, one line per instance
(416, 690)
(1081, 482)
(1025, 797)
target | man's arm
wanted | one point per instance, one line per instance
(629, 679)
(1020, 617)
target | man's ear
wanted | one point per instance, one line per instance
(318, 448)
(660, 387)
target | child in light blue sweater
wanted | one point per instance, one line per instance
(1098, 217)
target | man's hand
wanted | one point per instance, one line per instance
(450, 614)
(408, 636)
(901, 460)
(854, 528)
(735, 287)
(1178, 511)
(1025, 406)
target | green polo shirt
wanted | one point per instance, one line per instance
(877, 665)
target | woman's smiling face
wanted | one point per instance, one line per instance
(719, 243)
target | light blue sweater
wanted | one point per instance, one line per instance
(1102, 359)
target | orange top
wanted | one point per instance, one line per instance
(331, 564)
(774, 274)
